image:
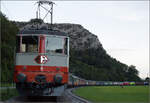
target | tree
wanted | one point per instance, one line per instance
(8, 34)
(147, 79)
(132, 69)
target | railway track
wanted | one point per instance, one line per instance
(67, 97)
(74, 98)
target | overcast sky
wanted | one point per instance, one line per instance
(121, 26)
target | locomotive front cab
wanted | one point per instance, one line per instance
(27, 44)
(42, 61)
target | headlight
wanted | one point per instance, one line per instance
(21, 77)
(58, 78)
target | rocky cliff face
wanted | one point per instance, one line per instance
(80, 38)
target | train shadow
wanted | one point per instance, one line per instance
(42, 98)
(35, 99)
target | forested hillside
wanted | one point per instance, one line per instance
(88, 59)
(8, 34)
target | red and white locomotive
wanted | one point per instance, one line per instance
(42, 61)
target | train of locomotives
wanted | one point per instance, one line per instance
(75, 81)
(42, 64)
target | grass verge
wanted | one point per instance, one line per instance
(5, 94)
(114, 94)
(7, 85)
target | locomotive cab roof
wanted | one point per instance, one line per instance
(32, 29)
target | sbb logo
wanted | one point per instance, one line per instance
(41, 59)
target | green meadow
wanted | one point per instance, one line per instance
(114, 94)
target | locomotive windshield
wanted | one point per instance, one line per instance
(28, 44)
(56, 45)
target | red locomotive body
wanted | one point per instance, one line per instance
(42, 62)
